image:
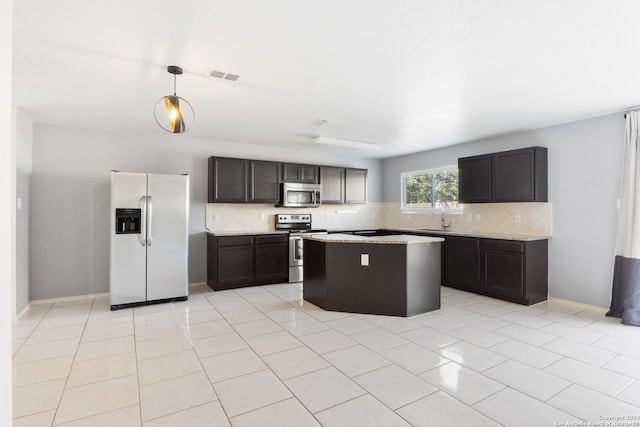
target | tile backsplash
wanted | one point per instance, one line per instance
(528, 219)
(228, 217)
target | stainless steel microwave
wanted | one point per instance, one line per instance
(295, 195)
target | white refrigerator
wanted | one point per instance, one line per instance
(149, 238)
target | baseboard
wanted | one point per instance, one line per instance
(579, 304)
(79, 297)
(66, 299)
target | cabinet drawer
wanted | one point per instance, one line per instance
(467, 242)
(502, 245)
(271, 239)
(235, 240)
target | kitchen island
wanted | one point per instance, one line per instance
(395, 275)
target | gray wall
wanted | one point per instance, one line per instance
(70, 197)
(584, 179)
(23, 135)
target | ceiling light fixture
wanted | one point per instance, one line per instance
(325, 140)
(173, 113)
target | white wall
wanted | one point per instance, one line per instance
(7, 258)
(23, 143)
(70, 197)
(584, 181)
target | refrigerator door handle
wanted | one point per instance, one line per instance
(149, 220)
(142, 237)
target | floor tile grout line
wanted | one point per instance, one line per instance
(66, 381)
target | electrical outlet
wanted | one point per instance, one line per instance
(364, 259)
(216, 217)
(478, 217)
(469, 217)
(18, 203)
(261, 216)
(517, 219)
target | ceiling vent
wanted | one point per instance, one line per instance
(224, 76)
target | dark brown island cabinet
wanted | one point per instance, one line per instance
(511, 270)
(396, 276)
(507, 176)
(247, 260)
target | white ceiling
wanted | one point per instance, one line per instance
(409, 74)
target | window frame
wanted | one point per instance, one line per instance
(425, 210)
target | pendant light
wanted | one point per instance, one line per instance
(173, 113)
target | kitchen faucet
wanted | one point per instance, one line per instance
(442, 219)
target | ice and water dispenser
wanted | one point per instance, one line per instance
(128, 221)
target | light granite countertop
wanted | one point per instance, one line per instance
(246, 232)
(399, 239)
(482, 235)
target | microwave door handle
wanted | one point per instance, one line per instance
(313, 197)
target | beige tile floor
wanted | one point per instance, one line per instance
(262, 356)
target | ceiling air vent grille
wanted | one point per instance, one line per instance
(223, 75)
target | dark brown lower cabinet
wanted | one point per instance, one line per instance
(246, 260)
(461, 262)
(515, 271)
(272, 259)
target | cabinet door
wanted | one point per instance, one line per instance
(356, 186)
(474, 179)
(461, 262)
(503, 273)
(272, 262)
(227, 180)
(292, 172)
(264, 182)
(332, 181)
(236, 265)
(520, 175)
(309, 174)
(514, 176)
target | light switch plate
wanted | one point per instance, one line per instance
(469, 217)
(517, 219)
(478, 217)
(18, 203)
(364, 259)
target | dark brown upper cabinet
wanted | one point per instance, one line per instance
(228, 180)
(243, 181)
(355, 186)
(293, 172)
(332, 182)
(507, 176)
(520, 175)
(474, 179)
(264, 181)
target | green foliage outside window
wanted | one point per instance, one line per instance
(434, 189)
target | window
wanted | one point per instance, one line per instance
(432, 189)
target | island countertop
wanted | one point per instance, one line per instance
(398, 239)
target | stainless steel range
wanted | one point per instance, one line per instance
(297, 225)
